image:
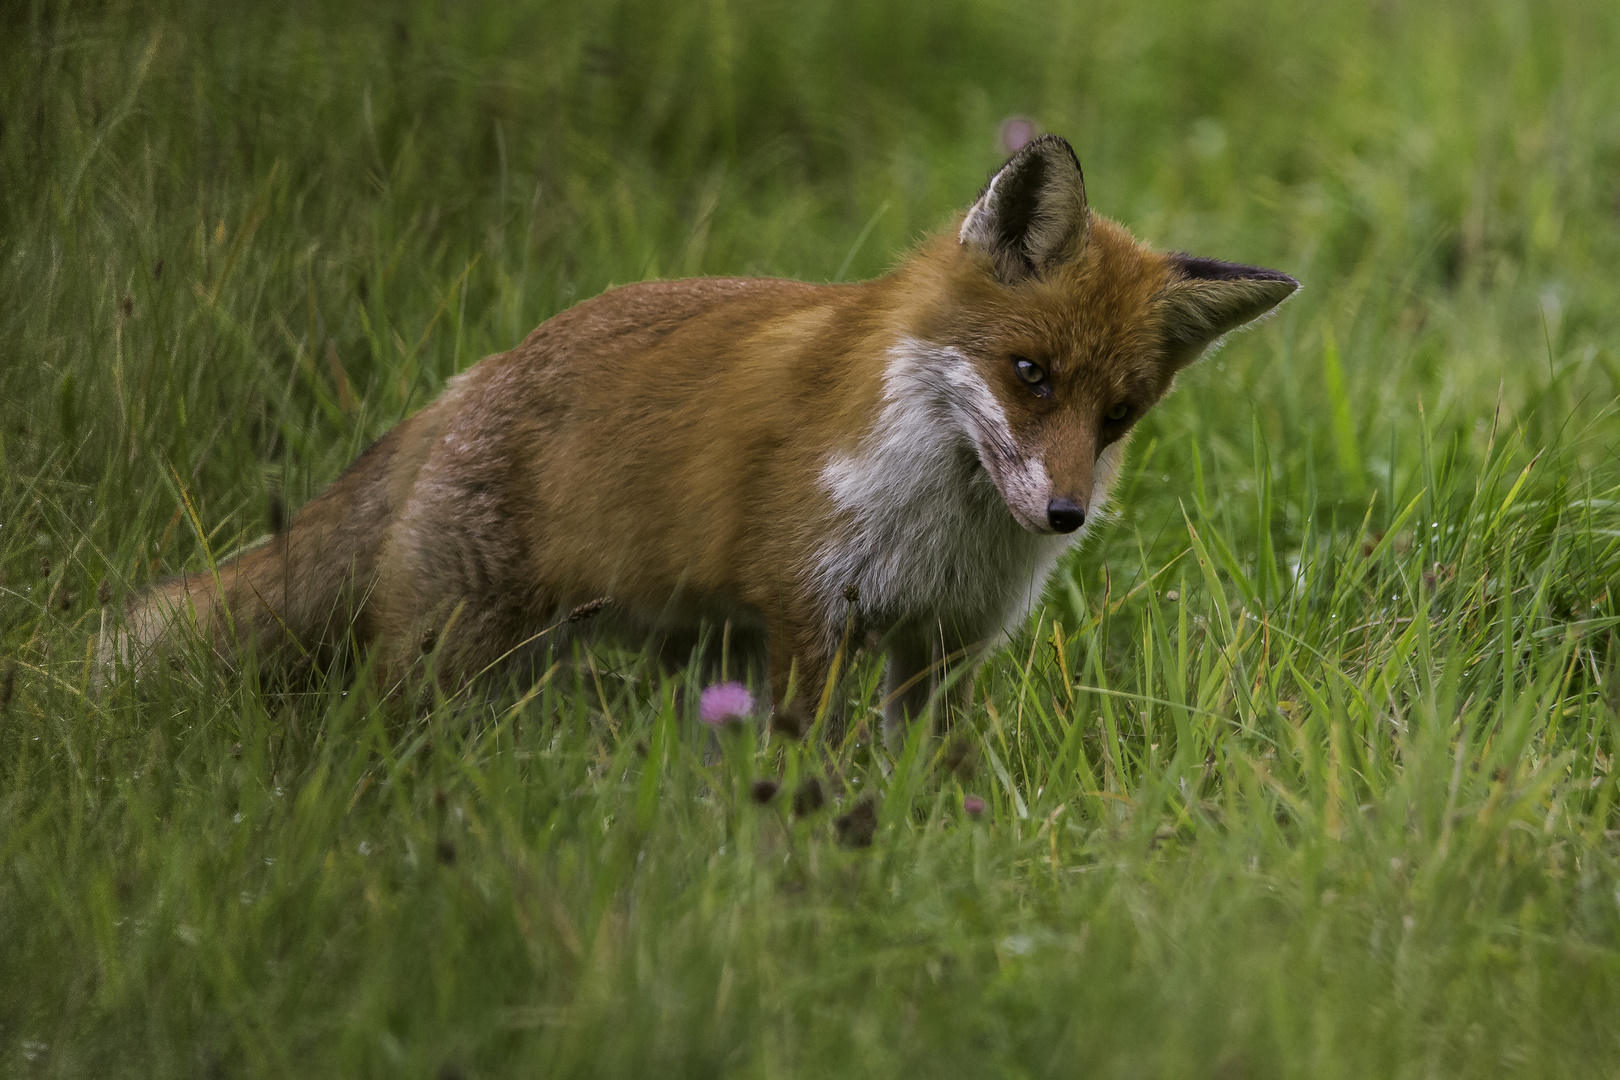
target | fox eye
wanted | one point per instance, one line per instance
(1117, 413)
(1029, 371)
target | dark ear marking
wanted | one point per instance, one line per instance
(1208, 298)
(1032, 214)
(1194, 268)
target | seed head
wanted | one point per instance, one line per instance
(809, 798)
(588, 608)
(789, 722)
(856, 828)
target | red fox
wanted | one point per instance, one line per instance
(899, 462)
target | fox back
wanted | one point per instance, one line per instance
(898, 464)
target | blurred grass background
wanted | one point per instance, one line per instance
(1343, 807)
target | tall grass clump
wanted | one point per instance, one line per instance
(1303, 767)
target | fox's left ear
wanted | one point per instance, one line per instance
(1207, 298)
(1032, 214)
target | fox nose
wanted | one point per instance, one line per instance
(1065, 515)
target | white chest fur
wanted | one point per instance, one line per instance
(920, 528)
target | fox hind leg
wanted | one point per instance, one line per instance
(454, 607)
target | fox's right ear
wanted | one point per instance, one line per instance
(1032, 214)
(1207, 299)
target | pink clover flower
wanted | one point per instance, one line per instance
(725, 703)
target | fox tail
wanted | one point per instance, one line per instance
(290, 597)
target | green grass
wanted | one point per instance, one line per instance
(1303, 770)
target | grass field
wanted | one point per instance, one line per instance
(1304, 768)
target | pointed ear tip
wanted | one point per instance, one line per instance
(1272, 292)
(1054, 144)
(1273, 289)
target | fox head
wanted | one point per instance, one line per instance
(1060, 331)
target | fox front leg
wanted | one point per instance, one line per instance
(925, 677)
(799, 668)
(907, 686)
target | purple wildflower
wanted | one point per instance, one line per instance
(973, 805)
(725, 703)
(1016, 133)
